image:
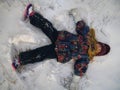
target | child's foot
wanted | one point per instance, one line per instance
(15, 63)
(29, 10)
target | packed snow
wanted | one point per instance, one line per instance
(102, 15)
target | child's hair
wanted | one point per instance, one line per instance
(105, 49)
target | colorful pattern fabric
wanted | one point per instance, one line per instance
(81, 66)
(70, 46)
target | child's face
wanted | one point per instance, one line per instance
(99, 48)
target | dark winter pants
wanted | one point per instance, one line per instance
(42, 53)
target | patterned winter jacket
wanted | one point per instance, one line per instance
(70, 46)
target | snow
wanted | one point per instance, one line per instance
(102, 74)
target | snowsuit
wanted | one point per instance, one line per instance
(64, 47)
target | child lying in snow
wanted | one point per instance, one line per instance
(65, 46)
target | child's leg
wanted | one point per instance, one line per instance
(39, 21)
(37, 55)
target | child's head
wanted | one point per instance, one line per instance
(102, 49)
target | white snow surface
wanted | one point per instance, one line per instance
(102, 74)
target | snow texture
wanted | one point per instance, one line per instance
(102, 74)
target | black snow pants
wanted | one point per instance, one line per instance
(45, 52)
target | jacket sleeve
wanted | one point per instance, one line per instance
(80, 66)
